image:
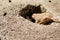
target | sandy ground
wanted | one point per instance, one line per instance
(15, 27)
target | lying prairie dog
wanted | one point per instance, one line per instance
(44, 18)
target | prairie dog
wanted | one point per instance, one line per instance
(40, 17)
(44, 18)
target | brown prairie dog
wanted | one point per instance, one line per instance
(45, 17)
(41, 16)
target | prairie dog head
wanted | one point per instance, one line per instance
(36, 16)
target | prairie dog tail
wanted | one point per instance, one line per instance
(56, 19)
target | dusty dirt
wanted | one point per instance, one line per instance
(15, 27)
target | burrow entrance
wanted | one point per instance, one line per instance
(27, 12)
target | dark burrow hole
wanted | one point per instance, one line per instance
(4, 14)
(9, 0)
(49, 0)
(27, 12)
